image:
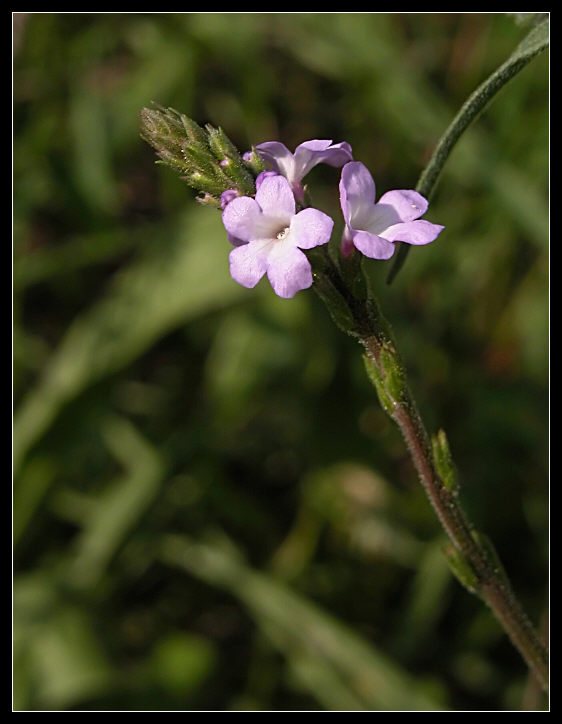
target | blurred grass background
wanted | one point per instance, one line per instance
(211, 511)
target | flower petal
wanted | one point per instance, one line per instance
(378, 218)
(307, 155)
(248, 263)
(263, 175)
(241, 217)
(357, 193)
(277, 155)
(227, 196)
(310, 153)
(408, 205)
(338, 154)
(288, 270)
(276, 199)
(373, 246)
(347, 246)
(413, 232)
(309, 228)
(314, 146)
(234, 241)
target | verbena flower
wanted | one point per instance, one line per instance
(263, 175)
(373, 227)
(295, 166)
(226, 198)
(271, 235)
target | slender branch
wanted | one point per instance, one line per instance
(533, 693)
(492, 583)
(345, 290)
(485, 574)
(531, 45)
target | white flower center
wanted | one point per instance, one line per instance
(282, 234)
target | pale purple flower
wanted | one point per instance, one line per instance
(226, 197)
(263, 175)
(295, 166)
(373, 227)
(271, 237)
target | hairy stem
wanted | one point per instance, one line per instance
(345, 290)
(492, 584)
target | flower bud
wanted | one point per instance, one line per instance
(254, 162)
(208, 200)
(221, 145)
(230, 160)
(205, 157)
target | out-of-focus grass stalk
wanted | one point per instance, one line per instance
(533, 43)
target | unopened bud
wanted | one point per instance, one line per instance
(205, 157)
(206, 184)
(221, 145)
(230, 160)
(208, 200)
(254, 162)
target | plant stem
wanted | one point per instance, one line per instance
(344, 288)
(493, 586)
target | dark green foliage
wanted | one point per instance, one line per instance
(211, 509)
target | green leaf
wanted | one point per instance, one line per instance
(443, 461)
(533, 43)
(462, 568)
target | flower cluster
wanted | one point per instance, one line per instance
(268, 231)
(263, 200)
